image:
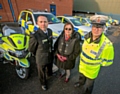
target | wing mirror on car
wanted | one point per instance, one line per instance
(29, 23)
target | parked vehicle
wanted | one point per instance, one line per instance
(78, 27)
(113, 21)
(28, 19)
(84, 20)
(14, 50)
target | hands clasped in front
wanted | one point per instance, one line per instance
(61, 58)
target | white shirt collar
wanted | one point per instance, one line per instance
(45, 31)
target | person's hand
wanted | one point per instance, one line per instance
(60, 58)
(64, 58)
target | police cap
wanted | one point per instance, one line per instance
(98, 19)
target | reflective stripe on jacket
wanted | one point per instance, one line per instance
(95, 55)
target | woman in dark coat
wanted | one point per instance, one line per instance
(67, 48)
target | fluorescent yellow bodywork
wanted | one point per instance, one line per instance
(18, 40)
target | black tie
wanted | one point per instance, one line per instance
(46, 34)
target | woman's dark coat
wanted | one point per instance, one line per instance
(69, 49)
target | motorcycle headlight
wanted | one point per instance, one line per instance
(11, 52)
(22, 54)
(18, 53)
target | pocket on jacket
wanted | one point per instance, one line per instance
(46, 45)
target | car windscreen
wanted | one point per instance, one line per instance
(78, 18)
(76, 22)
(88, 20)
(51, 18)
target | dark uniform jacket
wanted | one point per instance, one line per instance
(69, 49)
(40, 45)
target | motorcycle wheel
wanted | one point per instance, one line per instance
(23, 73)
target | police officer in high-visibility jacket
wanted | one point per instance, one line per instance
(97, 51)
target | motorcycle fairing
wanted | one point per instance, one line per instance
(17, 41)
(24, 63)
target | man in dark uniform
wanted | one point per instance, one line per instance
(41, 47)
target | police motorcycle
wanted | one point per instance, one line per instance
(14, 50)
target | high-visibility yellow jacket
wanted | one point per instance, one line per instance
(94, 55)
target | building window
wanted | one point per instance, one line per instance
(0, 6)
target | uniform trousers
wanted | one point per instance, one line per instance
(86, 83)
(43, 71)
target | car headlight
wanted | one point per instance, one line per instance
(85, 32)
(55, 37)
(117, 22)
(55, 34)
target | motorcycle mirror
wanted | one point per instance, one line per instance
(29, 22)
(0, 28)
(0, 34)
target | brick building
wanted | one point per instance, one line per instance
(10, 9)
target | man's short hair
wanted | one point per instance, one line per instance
(41, 16)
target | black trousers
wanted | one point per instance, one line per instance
(44, 70)
(86, 83)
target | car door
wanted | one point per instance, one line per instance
(22, 19)
(65, 20)
(29, 23)
(84, 22)
(61, 19)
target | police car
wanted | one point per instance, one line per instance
(78, 27)
(87, 22)
(27, 19)
(113, 21)
(84, 20)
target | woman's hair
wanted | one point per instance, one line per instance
(70, 25)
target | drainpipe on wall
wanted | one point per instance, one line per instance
(12, 11)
